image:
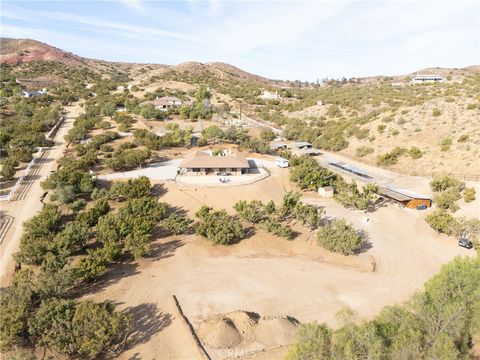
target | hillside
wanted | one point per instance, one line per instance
(364, 118)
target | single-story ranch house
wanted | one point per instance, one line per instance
(164, 103)
(204, 163)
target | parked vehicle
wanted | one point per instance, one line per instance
(281, 162)
(466, 243)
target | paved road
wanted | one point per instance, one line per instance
(29, 203)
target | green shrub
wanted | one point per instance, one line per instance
(446, 199)
(445, 144)
(340, 237)
(442, 183)
(362, 151)
(277, 228)
(463, 138)
(469, 194)
(252, 211)
(218, 227)
(443, 222)
(176, 224)
(415, 152)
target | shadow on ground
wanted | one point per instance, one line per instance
(147, 320)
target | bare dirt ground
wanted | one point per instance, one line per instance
(272, 276)
(29, 202)
(415, 126)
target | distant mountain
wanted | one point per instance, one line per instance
(15, 51)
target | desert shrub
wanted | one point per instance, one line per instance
(469, 194)
(381, 128)
(77, 205)
(73, 235)
(252, 211)
(38, 234)
(446, 199)
(334, 111)
(463, 138)
(267, 135)
(312, 341)
(307, 214)
(277, 228)
(391, 157)
(79, 329)
(349, 195)
(132, 188)
(16, 305)
(362, 151)
(442, 183)
(8, 169)
(436, 112)
(124, 159)
(90, 216)
(340, 237)
(218, 227)
(415, 152)
(445, 144)
(443, 222)
(176, 224)
(306, 173)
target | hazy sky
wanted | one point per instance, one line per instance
(277, 39)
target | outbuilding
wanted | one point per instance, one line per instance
(326, 191)
(405, 198)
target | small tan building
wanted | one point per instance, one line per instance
(203, 163)
(326, 191)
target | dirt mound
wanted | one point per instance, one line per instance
(276, 331)
(219, 333)
(241, 328)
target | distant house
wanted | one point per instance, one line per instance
(28, 94)
(326, 191)
(419, 79)
(267, 95)
(204, 163)
(166, 102)
(405, 197)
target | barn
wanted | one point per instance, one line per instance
(405, 197)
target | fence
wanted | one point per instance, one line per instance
(51, 134)
(21, 179)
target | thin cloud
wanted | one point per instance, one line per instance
(137, 5)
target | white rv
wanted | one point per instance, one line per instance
(281, 162)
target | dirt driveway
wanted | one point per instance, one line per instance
(29, 204)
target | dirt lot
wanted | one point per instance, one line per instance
(269, 275)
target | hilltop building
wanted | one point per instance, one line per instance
(204, 163)
(29, 94)
(419, 79)
(267, 95)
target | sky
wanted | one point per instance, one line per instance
(304, 40)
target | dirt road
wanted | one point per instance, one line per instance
(28, 203)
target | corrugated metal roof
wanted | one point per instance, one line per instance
(400, 194)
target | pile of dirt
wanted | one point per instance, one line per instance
(219, 333)
(276, 331)
(242, 327)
